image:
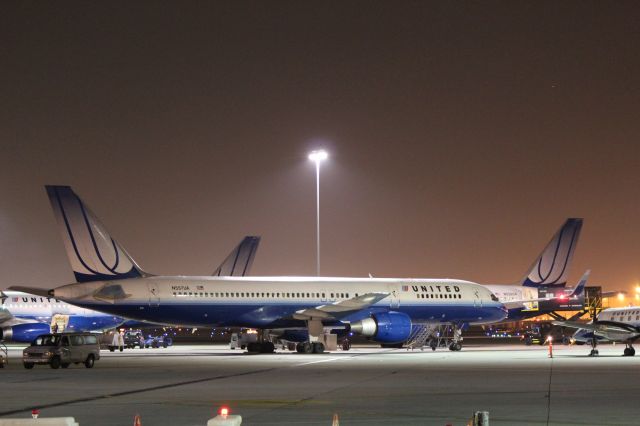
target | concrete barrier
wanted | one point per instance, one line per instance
(47, 421)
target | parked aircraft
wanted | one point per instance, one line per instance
(24, 316)
(109, 280)
(620, 325)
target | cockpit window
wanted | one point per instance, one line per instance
(494, 298)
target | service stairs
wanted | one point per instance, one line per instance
(420, 334)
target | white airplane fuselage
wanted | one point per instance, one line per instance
(270, 302)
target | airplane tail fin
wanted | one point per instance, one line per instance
(551, 268)
(92, 253)
(239, 261)
(578, 290)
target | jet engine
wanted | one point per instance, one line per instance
(385, 327)
(24, 332)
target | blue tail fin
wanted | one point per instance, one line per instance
(551, 268)
(578, 290)
(92, 253)
(239, 261)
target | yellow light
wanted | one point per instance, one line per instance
(620, 296)
(637, 296)
(638, 289)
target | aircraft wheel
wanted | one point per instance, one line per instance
(633, 351)
(628, 352)
(65, 364)
(594, 352)
(433, 344)
(457, 347)
(267, 348)
(253, 347)
(28, 365)
(307, 348)
(318, 348)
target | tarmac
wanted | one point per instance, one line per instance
(185, 385)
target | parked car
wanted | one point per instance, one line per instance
(158, 341)
(133, 338)
(62, 349)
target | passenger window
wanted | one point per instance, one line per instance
(90, 340)
(77, 340)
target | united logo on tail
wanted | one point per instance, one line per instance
(551, 268)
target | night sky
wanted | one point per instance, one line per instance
(461, 134)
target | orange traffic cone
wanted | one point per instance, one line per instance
(137, 421)
(335, 422)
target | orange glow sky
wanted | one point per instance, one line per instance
(461, 134)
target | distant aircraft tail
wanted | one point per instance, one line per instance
(239, 261)
(92, 253)
(578, 290)
(551, 268)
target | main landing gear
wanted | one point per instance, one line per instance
(594, 344)
(310, 348)
(629, 350)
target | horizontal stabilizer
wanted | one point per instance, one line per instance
(341, 309)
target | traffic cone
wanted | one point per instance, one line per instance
(137, 421)
(335, 422)
(550, 348)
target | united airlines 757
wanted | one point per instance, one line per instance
(110, 281)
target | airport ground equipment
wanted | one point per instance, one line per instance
(61, 350)
(435, 335)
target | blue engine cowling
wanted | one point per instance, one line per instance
(24, 333)
(385, 327)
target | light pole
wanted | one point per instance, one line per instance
(317, 157)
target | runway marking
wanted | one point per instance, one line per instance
(132, 392)
(319, 361)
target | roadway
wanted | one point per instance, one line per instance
(184, 385)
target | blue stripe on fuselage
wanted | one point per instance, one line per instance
(266, 315)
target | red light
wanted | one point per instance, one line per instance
(224, 411)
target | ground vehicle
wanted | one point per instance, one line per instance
(61, 349)
(539, 334)
(241, 340)
(158, 341)
(133, 338)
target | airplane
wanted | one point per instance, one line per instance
(384, 309)
(24, 316)
(620, 325)
(550, 269)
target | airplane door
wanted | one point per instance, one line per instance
(154, 295)
(394, 298)
(476, 299)
(59, 323)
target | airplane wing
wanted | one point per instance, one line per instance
(341, 309)
(31, 290)
(622, 328)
